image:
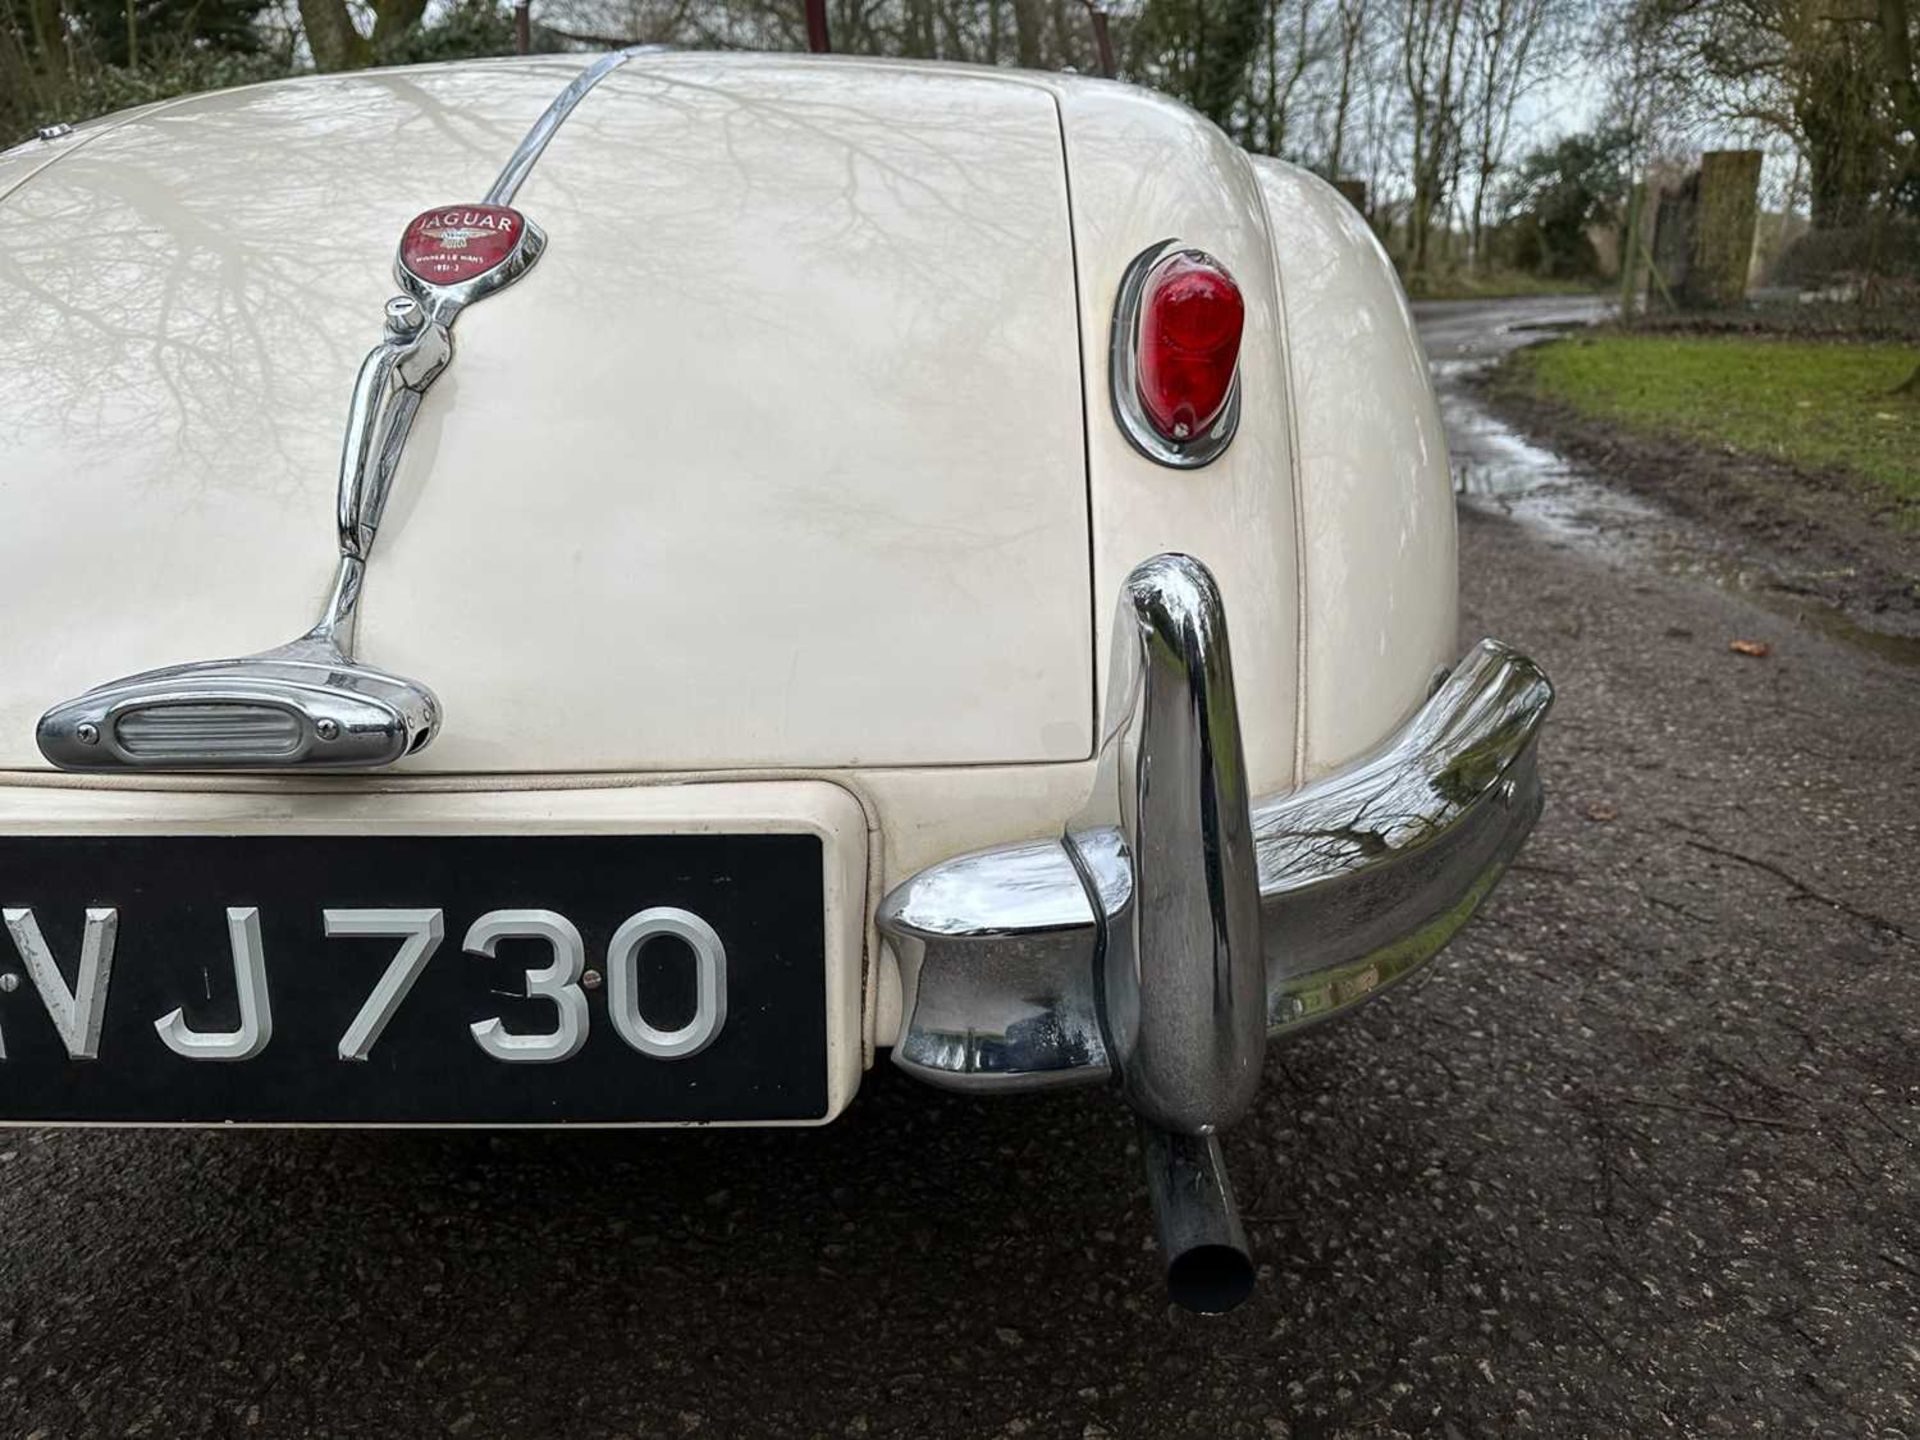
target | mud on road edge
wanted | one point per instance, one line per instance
(1822, 535)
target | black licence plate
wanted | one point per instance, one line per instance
(501, 980)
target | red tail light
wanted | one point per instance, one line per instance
(1191, 316)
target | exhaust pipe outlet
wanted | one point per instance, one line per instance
(1208, 1268)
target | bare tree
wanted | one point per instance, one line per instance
(1508, 47)
(1825, 74)
(1896, 22)
(337, 43)
(1289, 59)
(1350, 29)
(1430, 33)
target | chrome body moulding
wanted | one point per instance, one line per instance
(1178, 926)
(309, 703)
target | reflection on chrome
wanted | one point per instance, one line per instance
(996, 957)
(1361, 878)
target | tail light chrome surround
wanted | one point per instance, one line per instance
(1129, 411)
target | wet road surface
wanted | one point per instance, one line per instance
(1642, 1156)
(1494, 465)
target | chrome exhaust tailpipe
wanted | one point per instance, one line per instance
(1166, 857)
(1209, 1270)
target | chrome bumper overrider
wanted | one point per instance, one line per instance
(1173, 929)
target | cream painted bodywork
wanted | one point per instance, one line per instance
(1144, 171)
(728, 583)
(1377, 556)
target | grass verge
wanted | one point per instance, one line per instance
(1814, 406)
(1496, 285)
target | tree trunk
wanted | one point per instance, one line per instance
(1896, 41)
(336, 45)
(1430, 39)
(1343, 99)
(1903, 77)
(392, 19)
(1835, 110)
(49, 37)
(1026, 33)
(1296, 68)
(1477, 225)
(1270, 143)
(1221, 75)
(1413, 63)
(1066, 38)
(1631, 250)
(1839, 187)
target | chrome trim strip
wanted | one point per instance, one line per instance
(411, 355)
(1123, 370)
(1363, 877)
(348, 714)
(516, 170)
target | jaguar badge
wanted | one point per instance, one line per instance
(452, 244)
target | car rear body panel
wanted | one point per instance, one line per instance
(776, 459)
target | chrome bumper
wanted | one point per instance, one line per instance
(1178, 925)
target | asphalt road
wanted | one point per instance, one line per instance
(1641, 1157)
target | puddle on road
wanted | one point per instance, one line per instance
(1763, 587)
(1835, 625)
(1497, 469)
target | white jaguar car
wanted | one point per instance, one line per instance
(827, 560)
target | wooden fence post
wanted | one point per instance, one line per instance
(1102, 38)
(1632, 250)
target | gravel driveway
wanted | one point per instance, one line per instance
(1642, 1157)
